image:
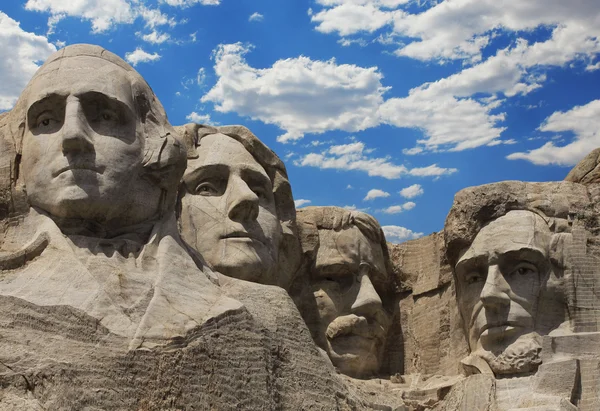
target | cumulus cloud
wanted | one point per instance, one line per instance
(103, 14)
(375, 193)
(412, 191)
(355, 156)
(397, 234)
(301, 202)
(431, 171)
(456, 30)
(451, 112)
(256, 17)
(198, 118)
(21, 52)
(140, 56)
(395, 209)
(582, 121)
(352, 157)
(349, 18)
(409, 205)
(154, 37)
(299, 95)
(155, 18)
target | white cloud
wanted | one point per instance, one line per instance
(412, 191)
(140, 56)
(354, 208)
(344, 42)
(189, 3)
(344, 149)
(457, 30)
(201, 76)
(409, 205)
(301, 202)
(446, 110)
(582, 121)
(375, 193)
(21, 52)
(103, 14)
(394, 233)
(155, 37)
(354, 156)
(593, 67)
(396, 209)
(256, 17)
(155, 18)
(198, 118)
(431, 171)
(299, 95)
(347, 19)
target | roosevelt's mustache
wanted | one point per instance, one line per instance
(355, 325)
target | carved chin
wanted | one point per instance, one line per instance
(354, 355)
(522, 356)
(246, 265)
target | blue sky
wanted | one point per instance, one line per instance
(387, 106)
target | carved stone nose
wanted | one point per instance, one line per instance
(243, 202)
(367, 300)
(494, 292)
(75, 131)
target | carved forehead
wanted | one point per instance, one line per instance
(348, 246)
(514, 231)
(79, 74)
(219, 149)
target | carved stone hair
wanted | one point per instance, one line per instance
(313, 219)
(164, 157)
(558, 203)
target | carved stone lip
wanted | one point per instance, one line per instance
(81, 166)
(500, 327)
(240, 234)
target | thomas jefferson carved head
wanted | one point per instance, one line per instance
(236, 206)
(94, 142)
(349, 277)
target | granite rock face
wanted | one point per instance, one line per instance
(151, 267)
(105, 305)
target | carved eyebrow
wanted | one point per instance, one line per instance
(44, 103)
(108, 100)
(206, 171)
(257, 176)
(469, 263)
(530, 255)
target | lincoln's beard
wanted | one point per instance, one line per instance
(522, 356)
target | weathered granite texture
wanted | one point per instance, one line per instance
(347, 307)
(147, 267)
(105, 307)
(236, 206)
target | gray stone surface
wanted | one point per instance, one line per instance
(236, 206)
(347, 306)
(151, 267)
(104, 306)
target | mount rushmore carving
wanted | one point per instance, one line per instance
(151, 267)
